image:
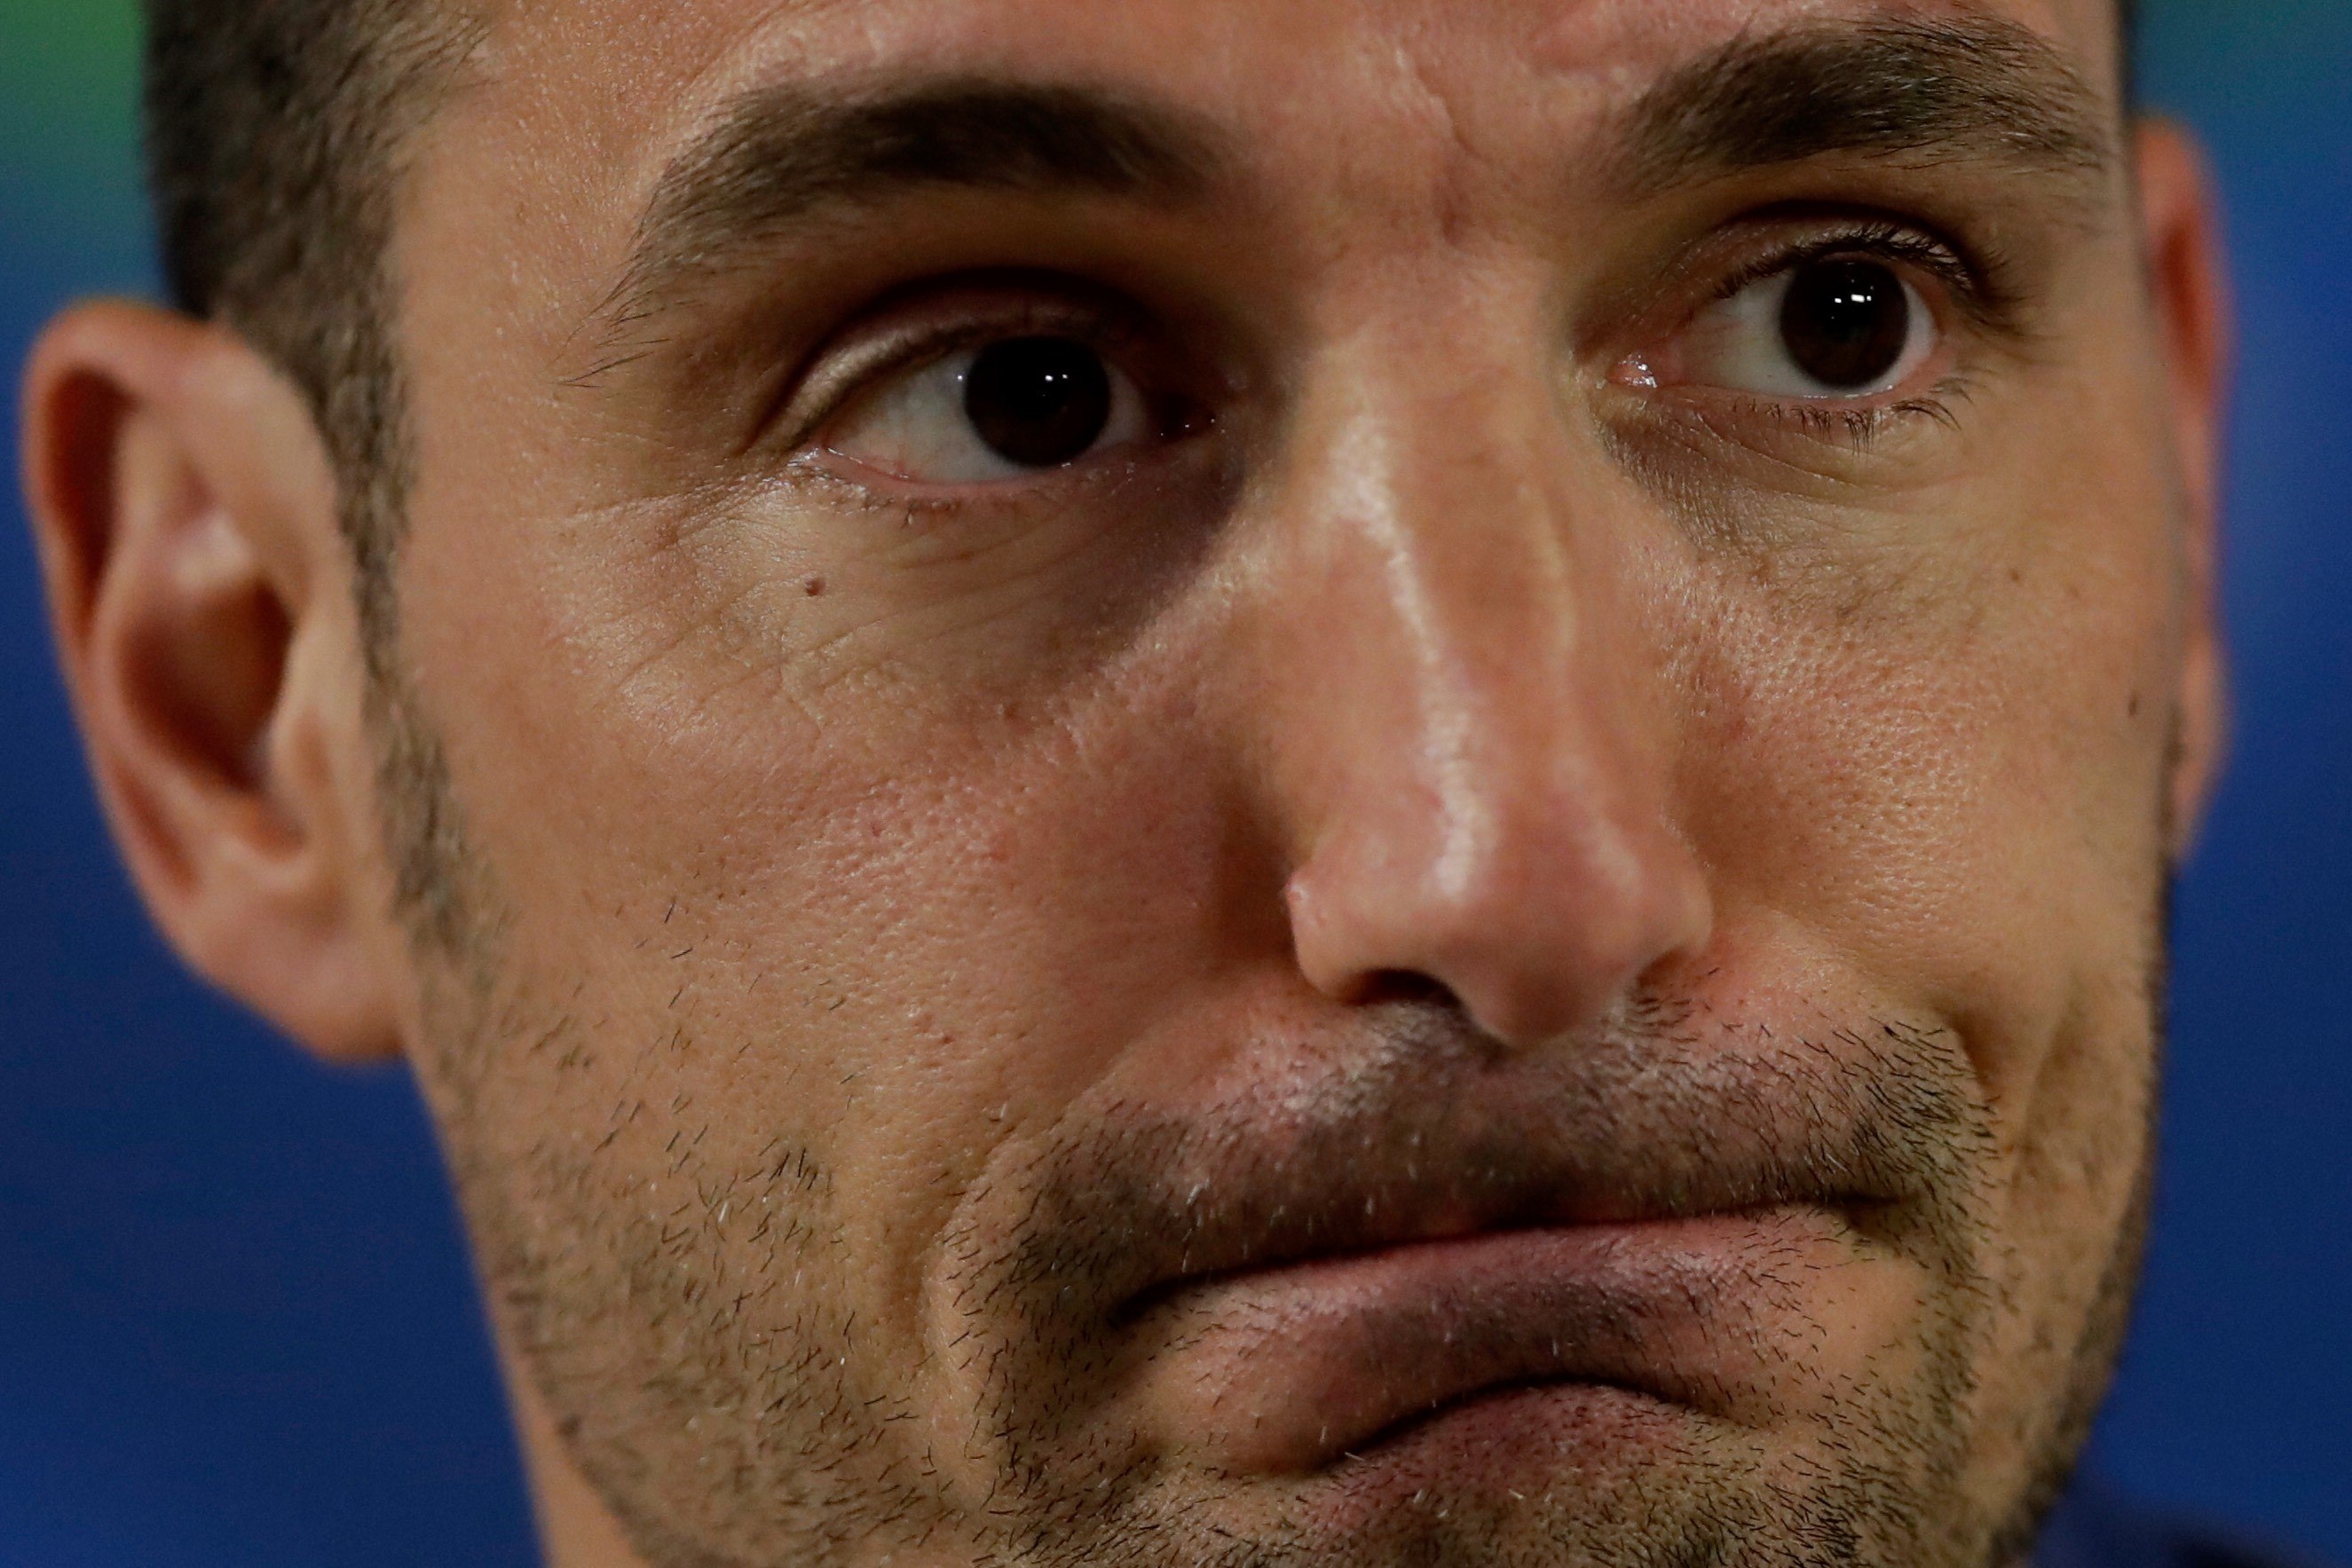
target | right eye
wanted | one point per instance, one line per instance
(1001, 411)
(1837, 328)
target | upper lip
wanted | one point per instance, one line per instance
(1360, 1219)
(1322, 1208)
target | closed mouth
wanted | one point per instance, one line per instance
(1299, 1366)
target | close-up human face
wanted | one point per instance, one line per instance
(1366, 781)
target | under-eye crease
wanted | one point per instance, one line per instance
(1854, 426)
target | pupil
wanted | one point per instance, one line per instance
(1038, 401)
(1846, 323)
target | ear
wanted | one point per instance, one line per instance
(2181, 243)
(186, 520)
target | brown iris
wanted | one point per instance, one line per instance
(1846, 322)
(1039, 403)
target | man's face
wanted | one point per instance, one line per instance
(1371, 781)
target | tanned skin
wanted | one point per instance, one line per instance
(1482, 935)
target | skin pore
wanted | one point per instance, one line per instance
(1496, 927)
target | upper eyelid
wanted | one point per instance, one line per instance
(1098, 324)
(1933, 254)
(1976, 278)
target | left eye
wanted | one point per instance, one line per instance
(1002, 410)
(1841, 328)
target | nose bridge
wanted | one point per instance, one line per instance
(1478, 761)
(1471, 611)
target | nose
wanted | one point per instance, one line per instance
(1475, 737)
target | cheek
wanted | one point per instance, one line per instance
(894, 939)
(1966, 801)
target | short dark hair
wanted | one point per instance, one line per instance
(275, 132)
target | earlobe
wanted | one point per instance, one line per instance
(186, 516)
(2182, 247)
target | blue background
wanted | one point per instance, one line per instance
(235, 1328)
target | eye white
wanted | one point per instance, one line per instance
(1741, 344)
(915, 426)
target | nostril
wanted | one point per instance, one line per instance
(1406, 986)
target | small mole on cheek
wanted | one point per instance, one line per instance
(2134, 704)
(814, 587)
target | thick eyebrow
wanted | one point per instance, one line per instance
(1975, 90)
(777, 155)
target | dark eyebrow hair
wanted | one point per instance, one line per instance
(1942, 91)
(776, 154)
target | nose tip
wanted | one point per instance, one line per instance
(1535, 932)
(1472, 712)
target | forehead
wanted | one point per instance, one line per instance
(627, 80)
(532, 195)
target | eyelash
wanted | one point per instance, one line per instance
(1861, 428)
(1973, 278)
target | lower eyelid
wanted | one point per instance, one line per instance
(1717, 427)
